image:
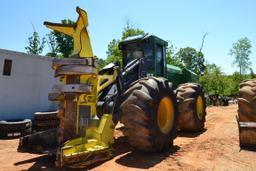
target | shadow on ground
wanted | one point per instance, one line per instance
(41, 163)
(248, 147)
(190, 134)
(144, 160)
(130, 158)
(44, 163)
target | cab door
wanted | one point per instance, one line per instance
(159, 60)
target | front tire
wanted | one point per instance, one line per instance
(149, 114)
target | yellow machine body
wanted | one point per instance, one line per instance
(97, 138)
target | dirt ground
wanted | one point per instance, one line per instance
(216, 148)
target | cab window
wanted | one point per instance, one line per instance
(159, 60)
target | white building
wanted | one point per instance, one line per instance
(25, 81)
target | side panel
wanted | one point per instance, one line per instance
(174, 75)
(189, 76)
(175, 79)
(178, 76)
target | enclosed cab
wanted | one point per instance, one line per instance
(146, 56)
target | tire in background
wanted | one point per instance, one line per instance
(141, 114)
(191, 107)
(247, 101)
(247, 114)
(15, 129)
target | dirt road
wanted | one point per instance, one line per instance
(216, 148)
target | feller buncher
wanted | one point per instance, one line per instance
(151, 98)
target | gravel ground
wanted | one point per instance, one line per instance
(216, 148)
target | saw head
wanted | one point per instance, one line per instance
(79, 154)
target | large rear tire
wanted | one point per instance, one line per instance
(149, 114)
(191, 107)
(247, 101)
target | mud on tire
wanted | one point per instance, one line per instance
(189, 118)
(247, 101)
(139, 114)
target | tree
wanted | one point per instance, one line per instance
(114, 54)
(130, 30)
(187, 57)
(35, 45)
(213, 80)
(101, 62)
(252, 74)
(192, 59)
(53, 46)
(241, 51)
(202, 43)
(235, 81)
(171, 57)
(64, 42)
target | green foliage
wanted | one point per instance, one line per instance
(171, 57)
(63, 41)
(101, 62)
(130, 30)
(241, 51)
(52, 43)
(234, 81)
(35, 45)
(252, 74)
(215, 82)
(114, 54)
(212, 80)
(192, 59)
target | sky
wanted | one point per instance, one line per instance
(183, 22)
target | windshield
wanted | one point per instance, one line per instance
(134, 53)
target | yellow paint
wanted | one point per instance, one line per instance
(104, 132)
(108, 79)
(165, 115)
(77, 147)
(82, 48)
(82, 43)
(96, 138)
(200, 107)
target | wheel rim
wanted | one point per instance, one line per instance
(165, 115)
(200, 107)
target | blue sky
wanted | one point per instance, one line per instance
(182, 22)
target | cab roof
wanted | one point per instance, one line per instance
(143, 37)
